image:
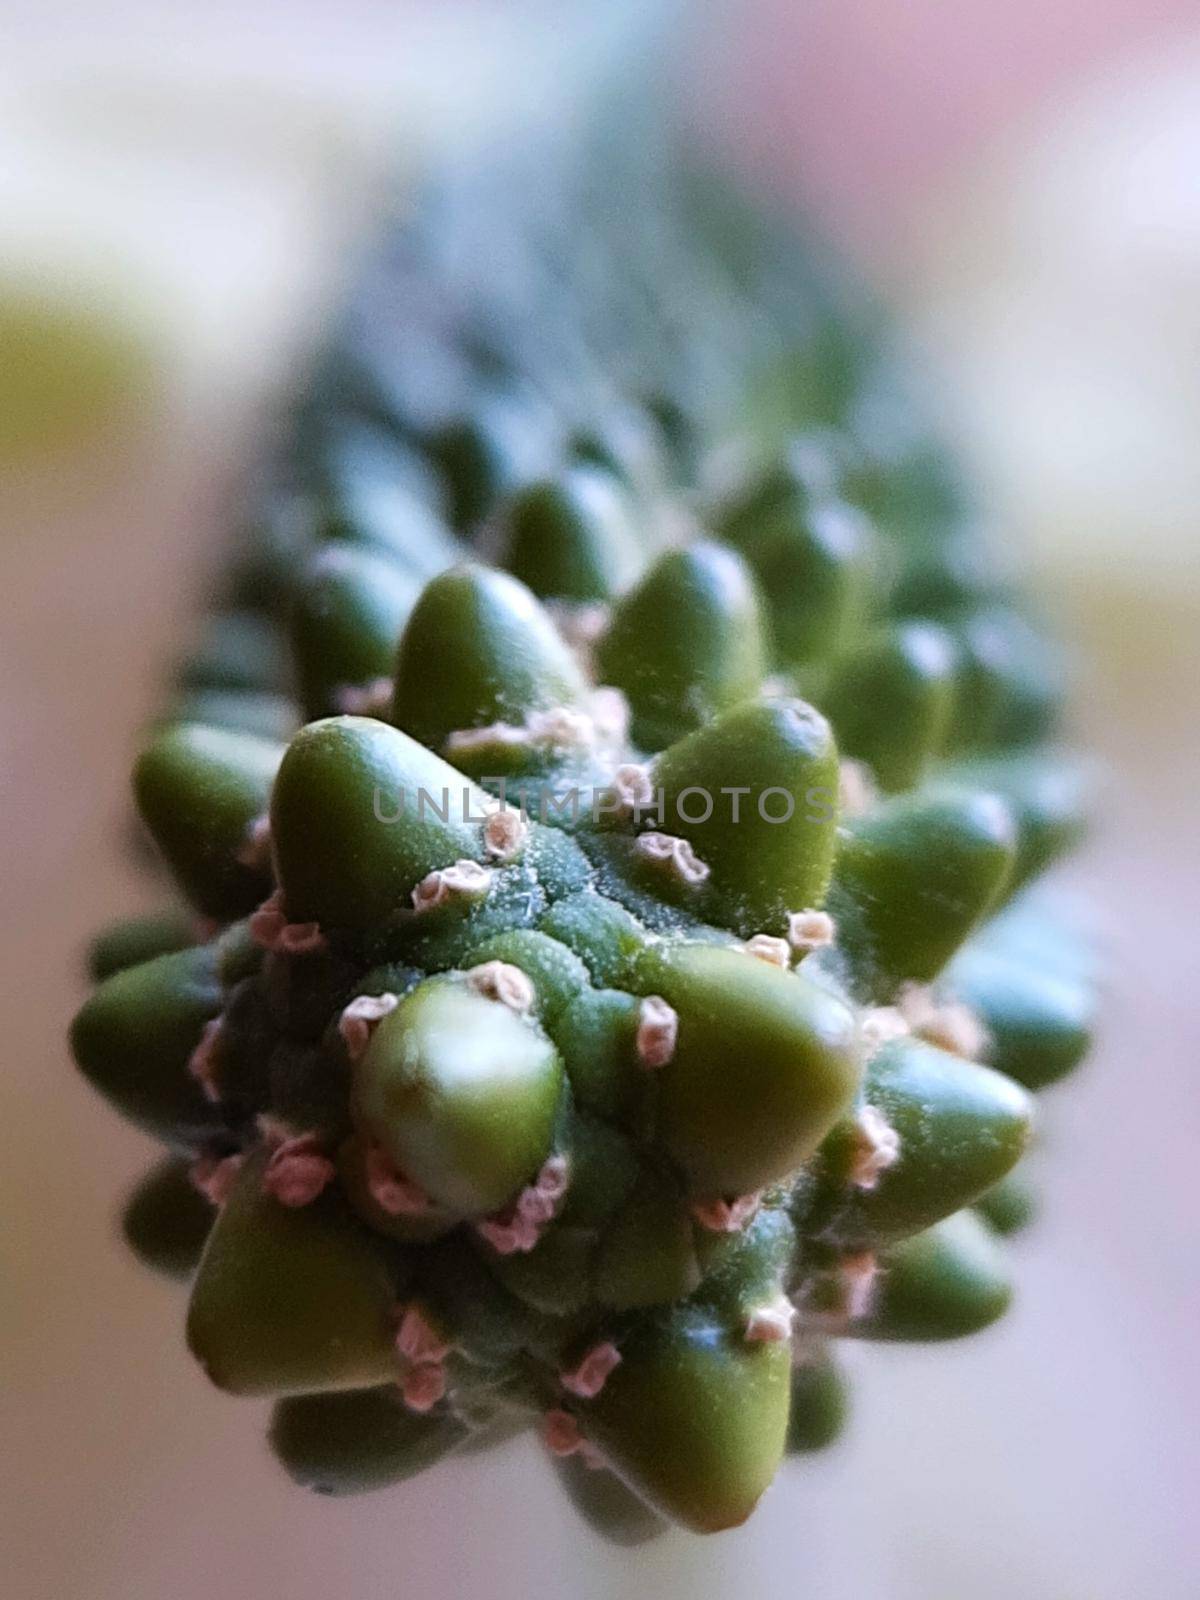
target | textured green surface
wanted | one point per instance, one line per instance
(639, 982)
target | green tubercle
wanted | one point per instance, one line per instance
(460, 1090)
(572, 537)
(754, 793)
(694, 1419)
(292, 1300)
(360, 814)
(200, 792)
(480, 652)
(685, 644)
(358, 1440)
(763, 1063)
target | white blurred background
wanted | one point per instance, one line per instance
(181, 189)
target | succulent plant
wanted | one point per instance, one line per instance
(608, 812)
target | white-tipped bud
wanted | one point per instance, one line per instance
(300, 939)
(876, 1148)
(580, 625)
(495, 736)
(514, 1233)
(504, 833)
(809, 930)
(391, 1190)
(270, 928)
(880, 1026)
(518, 1228)
(632, 789)
(360, 1018)
(766, 947)
(657, 1032)
(771, 1323)
(500, 980)
(589, 1376)
(609, 711)
(465, 880)
(255, 851)
(298, 1171)
(268, 921)
(857, 1274)
(948, 1024)
(215, 1176)
(560, 1433)
(673, 855)
(561, 728)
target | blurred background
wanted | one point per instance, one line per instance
(183, 192)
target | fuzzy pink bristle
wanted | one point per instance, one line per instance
(726, 1216)
(673, 854)
(503, 834)
(268, 921)
(771, 1323)
(876, 1148)
(657, 1032)
(809, 930)
(202, 1063)
(364, 699)
(560, 1433)
(359, 1019)
(298, 1171)
(500, 980)
(391, 1190)
(255, 851)
(463, 880)
(423, 1386)
(418, 1340)
(215, 1176)
(858, 1274)
(589, 1376)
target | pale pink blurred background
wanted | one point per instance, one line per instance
(1021, 180)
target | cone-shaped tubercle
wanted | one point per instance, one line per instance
(648, 1255)
(290, 1300)
(1010, 1207)
(479, 652)
(134, 1037)
(960, 1128)
(763, 1063)
(358, 1440)
(132, 940)
(348, 611)
(199, 791)
(608, 1506)
(571, 537)
(1038, 1022)
(891, 700)
(686, 643)
(819, 1405)
(945, 1283)
(1048, 792)
(755, 795)
(461, 1091)
(694, 1418)
(166, 1220)
(914, 878)
(813, 568)
(360, 814)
